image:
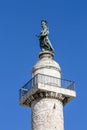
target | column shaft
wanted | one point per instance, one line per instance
(47, 114)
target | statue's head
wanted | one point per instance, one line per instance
(43, 23)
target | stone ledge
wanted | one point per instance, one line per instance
(46, 91)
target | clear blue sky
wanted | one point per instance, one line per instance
(19, 48)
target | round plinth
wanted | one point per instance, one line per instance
(46, 54)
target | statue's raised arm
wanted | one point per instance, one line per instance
(45, 43)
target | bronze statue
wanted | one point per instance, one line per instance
(45, 43)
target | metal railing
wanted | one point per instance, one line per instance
(46, 80)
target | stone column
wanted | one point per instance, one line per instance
(47, 96)
(47, 114)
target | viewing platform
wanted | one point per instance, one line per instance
(45, 86)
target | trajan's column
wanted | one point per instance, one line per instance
(46, 93)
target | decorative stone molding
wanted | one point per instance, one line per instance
(40, 95)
